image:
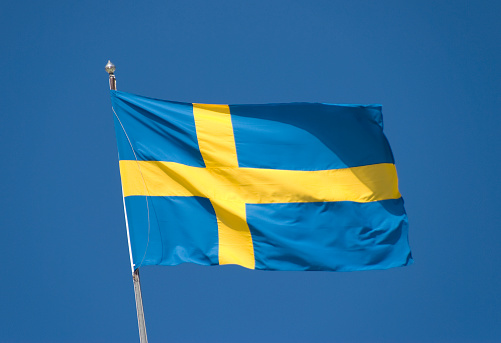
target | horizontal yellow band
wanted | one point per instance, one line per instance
(260, 186)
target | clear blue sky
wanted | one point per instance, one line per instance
(434, 66)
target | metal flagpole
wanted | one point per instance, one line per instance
(110, 68)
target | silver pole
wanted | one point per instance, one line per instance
(139, 307)
(110, 68)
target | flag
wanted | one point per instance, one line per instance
(299, 186)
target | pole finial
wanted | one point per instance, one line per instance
(110, 67)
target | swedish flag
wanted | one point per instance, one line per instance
(301, 186)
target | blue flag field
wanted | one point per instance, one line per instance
(299, 186)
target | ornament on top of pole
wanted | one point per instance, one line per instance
(110, 69)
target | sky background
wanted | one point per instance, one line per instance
(435, 67)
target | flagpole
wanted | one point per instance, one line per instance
(110, 68)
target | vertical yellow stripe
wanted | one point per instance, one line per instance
(235, 241)
(217, 146)
(215, 135)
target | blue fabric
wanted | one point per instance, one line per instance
(303, 136)
(340, 236)
(158, 130)
(176, 235)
